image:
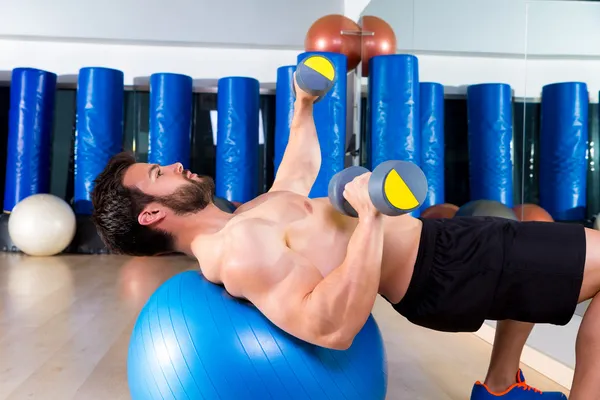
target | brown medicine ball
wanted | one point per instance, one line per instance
(445, 210)
(378, 39)
(335, 33)
(532, 212)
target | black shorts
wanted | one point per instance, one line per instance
(470, 269)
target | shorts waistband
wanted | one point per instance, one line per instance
(423, 263)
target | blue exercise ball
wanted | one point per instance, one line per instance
(192, 340)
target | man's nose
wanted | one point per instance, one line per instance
(177, 168)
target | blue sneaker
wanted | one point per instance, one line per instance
(519, 391)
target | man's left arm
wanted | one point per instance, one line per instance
(302, 157)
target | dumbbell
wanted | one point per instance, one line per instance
(315, 75)
(395, 188)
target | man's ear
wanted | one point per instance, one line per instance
(151, 215)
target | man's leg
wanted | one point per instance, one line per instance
(548, 269)
(512, 335)
(509, 341)
(586, 382)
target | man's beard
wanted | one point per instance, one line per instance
(192, 197)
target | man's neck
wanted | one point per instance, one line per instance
(204, 223)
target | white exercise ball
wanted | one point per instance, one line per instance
(42, 225)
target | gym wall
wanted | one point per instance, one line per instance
(458, 42)
(524, 43)
(258, 23)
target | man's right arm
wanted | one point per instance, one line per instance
(349, 292)
(293, 294)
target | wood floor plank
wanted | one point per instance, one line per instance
(65, 325)
(85, 286)
(60, 375)
(35, 346)
(109, 378)
(30, 281)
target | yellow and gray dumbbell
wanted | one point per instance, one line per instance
(315, 75)
(395, 188)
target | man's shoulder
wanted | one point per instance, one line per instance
(251, 248)
(238, 247)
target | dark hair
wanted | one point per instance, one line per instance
(116, 210)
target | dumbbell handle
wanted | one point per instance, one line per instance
(395, 188)
(337, 185)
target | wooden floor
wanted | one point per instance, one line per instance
(65, 324)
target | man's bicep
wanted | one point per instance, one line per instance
(292, 178)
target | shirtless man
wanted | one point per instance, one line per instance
(316, 273)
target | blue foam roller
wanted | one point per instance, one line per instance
(489, 110)
(432, 141)
(563, 146)
(30, 124)
(284, 110)
(238, 110)
(169, 139)
(99, 132)
(393, 110)
(330, 120)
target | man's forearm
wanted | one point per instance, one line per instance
(345, 297)
(303, 150)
